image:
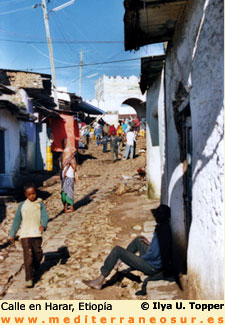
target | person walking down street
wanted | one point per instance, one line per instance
(32, 219)
(136, 124)
(112, 130)
(124, 126)
(87, 135)
(154, 257)
(68, 177)
(114, 143)
(119, 130)
(128, 126)
(104, 142)
(105, 129)
(98, 133)
(130, 139)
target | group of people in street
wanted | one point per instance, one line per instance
(125, 134)
(32, 217)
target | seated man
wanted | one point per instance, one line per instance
(154, 257)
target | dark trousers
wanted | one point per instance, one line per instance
(128, 257)
(87, 139)
(104, 149)
(32, 253)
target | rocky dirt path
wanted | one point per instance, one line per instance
(111, 209)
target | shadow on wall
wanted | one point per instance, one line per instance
(2, 211)
(152, 113)
(179, 229)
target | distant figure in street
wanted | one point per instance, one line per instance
(112, 130)
(124, 126)
(32, 216)
(68, 177)
(114, 143)
(87, 135)
(105, 142)
(153, 257)
(128, 126)
(119, 130)
(136, 124)
(98, 133)
(105, 129)
(130, 138)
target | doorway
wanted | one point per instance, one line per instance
(2, 151)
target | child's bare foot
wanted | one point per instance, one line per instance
(96, 283)
(71, 209)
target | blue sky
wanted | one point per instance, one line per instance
(80, 26)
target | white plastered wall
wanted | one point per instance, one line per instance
(10, 125)
(196, 59)
(154, 99)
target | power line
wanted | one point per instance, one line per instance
(16, 10)
(5, 3)
(63, 41)
(47, 56)
(89, 64)
(93, 69)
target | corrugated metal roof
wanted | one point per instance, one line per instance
(150, 21)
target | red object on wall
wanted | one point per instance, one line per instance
(77, 134)
(63, 128)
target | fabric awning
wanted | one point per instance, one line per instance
(84, 107)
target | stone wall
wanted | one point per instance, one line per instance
(22, 79)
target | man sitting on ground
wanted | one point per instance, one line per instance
(154, 257)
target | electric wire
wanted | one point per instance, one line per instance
(15, 10)
(5, 3)
(91, 64)
(89, 71)
(63, 42)
(69, 47)
(47, 56)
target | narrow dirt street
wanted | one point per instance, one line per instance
(111, 208)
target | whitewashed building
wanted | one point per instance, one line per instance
(13, 117)
(113, 93)
(185, 97)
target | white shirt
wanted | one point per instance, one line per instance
(31, 219)
(130, 138)
(69, 173)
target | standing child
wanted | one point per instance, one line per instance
(68, 177)
(32, 216)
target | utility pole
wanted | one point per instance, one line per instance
(80, 79)
(50, 49)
